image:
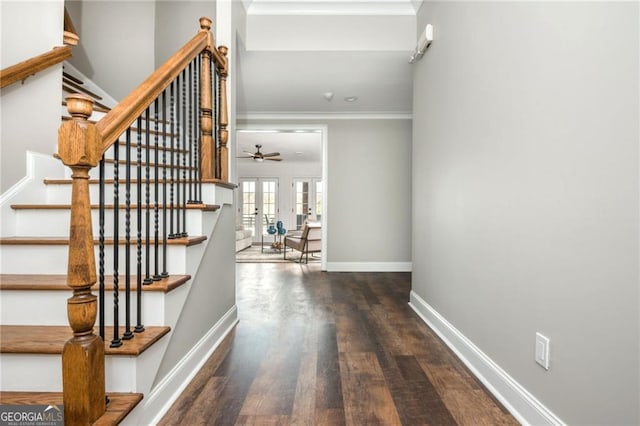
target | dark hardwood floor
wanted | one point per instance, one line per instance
(317, 348)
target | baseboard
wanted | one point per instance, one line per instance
(155, 405)
(369, 266)
(524, 406)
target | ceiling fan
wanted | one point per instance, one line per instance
(259, 156)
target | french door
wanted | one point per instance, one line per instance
(258, 204)
(307, 200)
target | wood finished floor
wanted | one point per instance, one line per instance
(315, 348)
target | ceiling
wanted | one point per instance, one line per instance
(293, 145)
(293, 53)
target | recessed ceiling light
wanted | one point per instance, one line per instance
(328, 96)
(351, 99)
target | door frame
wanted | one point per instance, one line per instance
(323, 128)
(259, 201)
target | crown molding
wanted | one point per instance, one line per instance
(287, 115)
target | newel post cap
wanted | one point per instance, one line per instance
(79, 142)
(205, 23)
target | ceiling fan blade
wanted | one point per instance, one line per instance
(271, 154)
(274, 159)
(246, 156)
(250, 153)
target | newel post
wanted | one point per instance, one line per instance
(223, 118)
(79, 147)
(206, 106)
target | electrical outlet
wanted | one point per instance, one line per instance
(542, 351)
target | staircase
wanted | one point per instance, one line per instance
(155, 336)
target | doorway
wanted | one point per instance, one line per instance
(300, 177)
(258, 204)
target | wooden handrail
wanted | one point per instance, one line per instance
(123, 115)
(24, 69)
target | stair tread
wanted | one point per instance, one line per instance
(203, 207)
(120, 404)
(59, 282)
(63, 241)
(50, 339)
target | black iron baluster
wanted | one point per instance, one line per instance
(185, 154)
(116, 341)
(127, 248)
(190, 127)
(198, 172)
(164, 273)
(147, 186)
(101, 294)
(173, 157)
(139, 327)
(156, 192)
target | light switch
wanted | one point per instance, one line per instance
(542, 351)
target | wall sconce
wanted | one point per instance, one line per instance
(426, 37)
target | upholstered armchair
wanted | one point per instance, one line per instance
(309, 241)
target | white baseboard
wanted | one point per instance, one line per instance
(524, 406)
(369, 266)
(154, 406)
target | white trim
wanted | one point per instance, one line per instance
(524, 406)
(333, 8)
(163, 395)
(369, 266)
(291, 115)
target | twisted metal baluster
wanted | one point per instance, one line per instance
(185, 153)
(147, 279)
(190, 127)
(156, 191)
(164, 273)
(101, 294)
(173, 157)
(139, 327)
(116, 342)
(127, 248)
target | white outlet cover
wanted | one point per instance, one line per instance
(542, 351)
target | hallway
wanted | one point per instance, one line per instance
(331, 348)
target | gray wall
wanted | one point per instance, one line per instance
(117, 46)
(176, 23)
(211, 296)
(369, 189)
(38, 99)
(525, 193)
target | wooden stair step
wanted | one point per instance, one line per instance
(97, 106)
(50, 339)
(119, 406)
(203, 207)
(63, 241)
(59, 282)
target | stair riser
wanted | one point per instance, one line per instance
(53, 259)
(49, 307)
(30, 223)
(61, 194)
(42, 373)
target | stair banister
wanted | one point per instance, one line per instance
(81, 146)
(31, 66)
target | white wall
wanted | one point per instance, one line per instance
(369, 192)
(525, 193)
(117, 42)
(28, 29)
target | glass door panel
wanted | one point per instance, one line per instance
(259, 204)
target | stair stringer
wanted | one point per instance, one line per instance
(207, 316)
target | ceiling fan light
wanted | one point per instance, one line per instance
(258, 159)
